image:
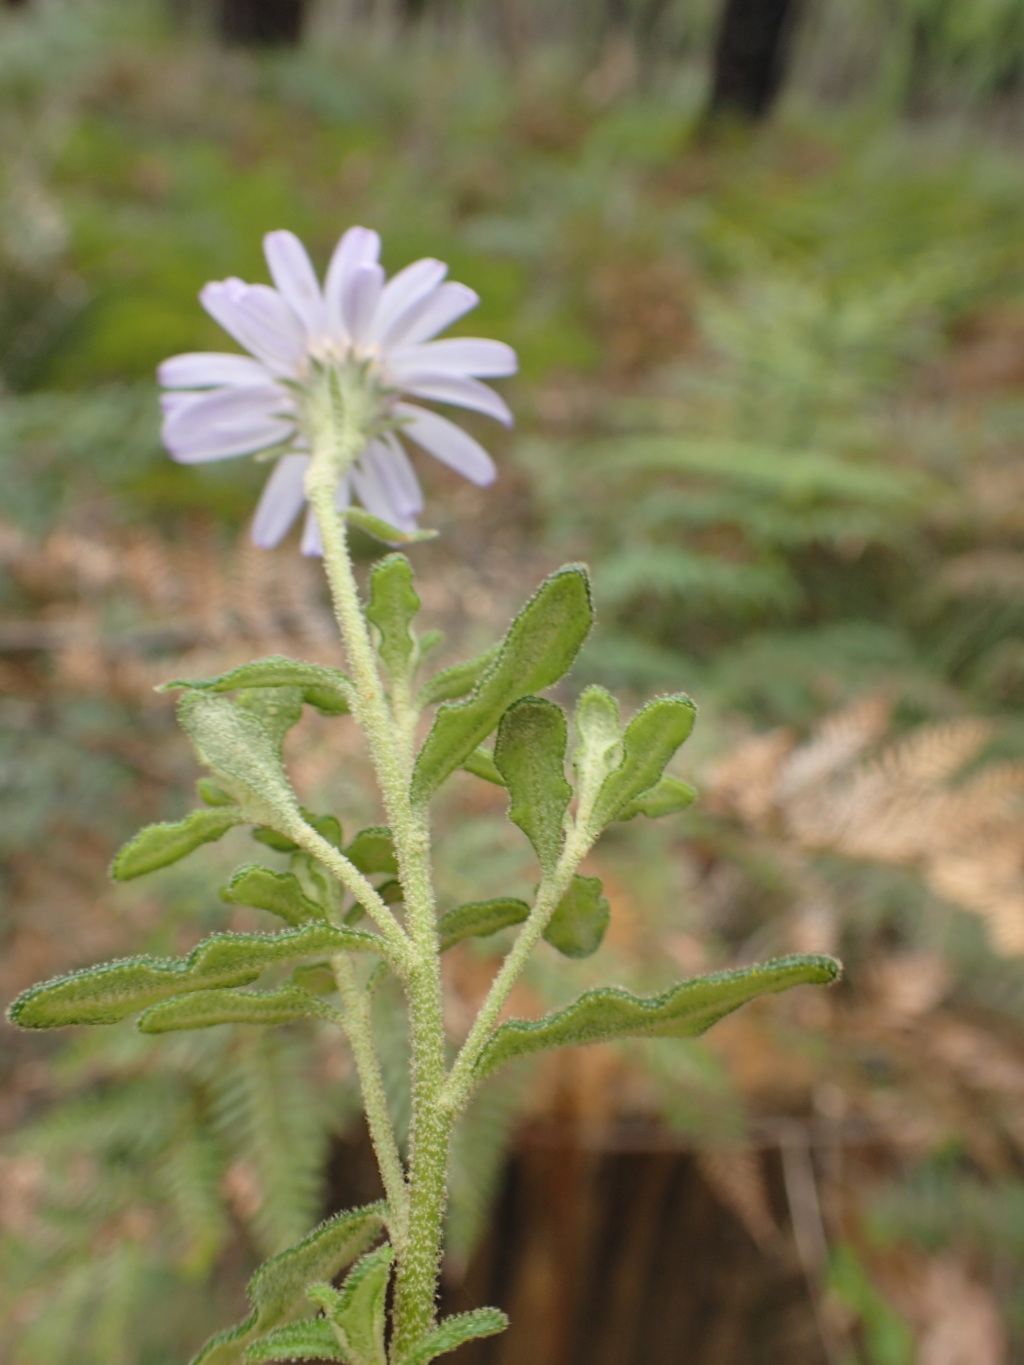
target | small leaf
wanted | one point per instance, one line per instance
(313, 1340)
(381, 530)
(327, 826)
(373, 850)
(316, 977)
(539, 648)
(392, 609)
(204, 1009)
(456, 1331)
(108, 993)
(598, 745)
(530, 755)
(481, 764)
(327, 689)
(160, 845)
(428, 641)
(390, 892)
(581, 917)
(478, 919)
(280, 843)
(280, 893)
(683, 1011)
(452, 683)
(241, 751)
(668, 796)
(277, 1291)
(651, 738)
(211, 794)
(357, 1310)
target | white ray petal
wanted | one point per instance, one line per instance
(281, 501)
(225, 423)
(384, 488)
(257, 317)
(293, 273)
(463, 393)
(210, 369)
(454, 355)
(433, 313)
(374, 493)
(180, 399)
(397, 469)
(360, 295)
(359, 246)
(402, 292)
(448, 443)
(311, 542)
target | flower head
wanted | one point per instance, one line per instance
(217, 406)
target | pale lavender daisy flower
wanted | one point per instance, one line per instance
(217, 406)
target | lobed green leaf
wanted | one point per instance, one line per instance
(204, 1009)
(455, 1331)
(683, 1011)
(326, 689)
(277, 1291)
(327, 826)
(160, 845)
(481, 764)
(313, 1340)
(280, 843)
(478, 919)
(382, 530)
(540, 646)
(452, 683)
(316, 977)
(529, 753)
(581, 917)
(429, 640)
(598, 745)
(109, 993)
(392, 609)
(280, 893)
(239, 749)
(650, 740)
(278, 708)
(668, 796)
(208, 792)
(357, 1309)
(373, 850)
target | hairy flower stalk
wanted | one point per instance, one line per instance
(340, 429)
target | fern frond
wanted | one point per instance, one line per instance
(268, 1114)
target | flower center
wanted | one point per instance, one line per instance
(342, 406)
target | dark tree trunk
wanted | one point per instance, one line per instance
(262, 22)
(753, 44)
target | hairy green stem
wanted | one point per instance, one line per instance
(341, 426)
(364, 891)
(553, 887)
(358, 1027)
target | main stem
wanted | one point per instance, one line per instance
(340, 428)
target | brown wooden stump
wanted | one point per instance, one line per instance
(619, 1253)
